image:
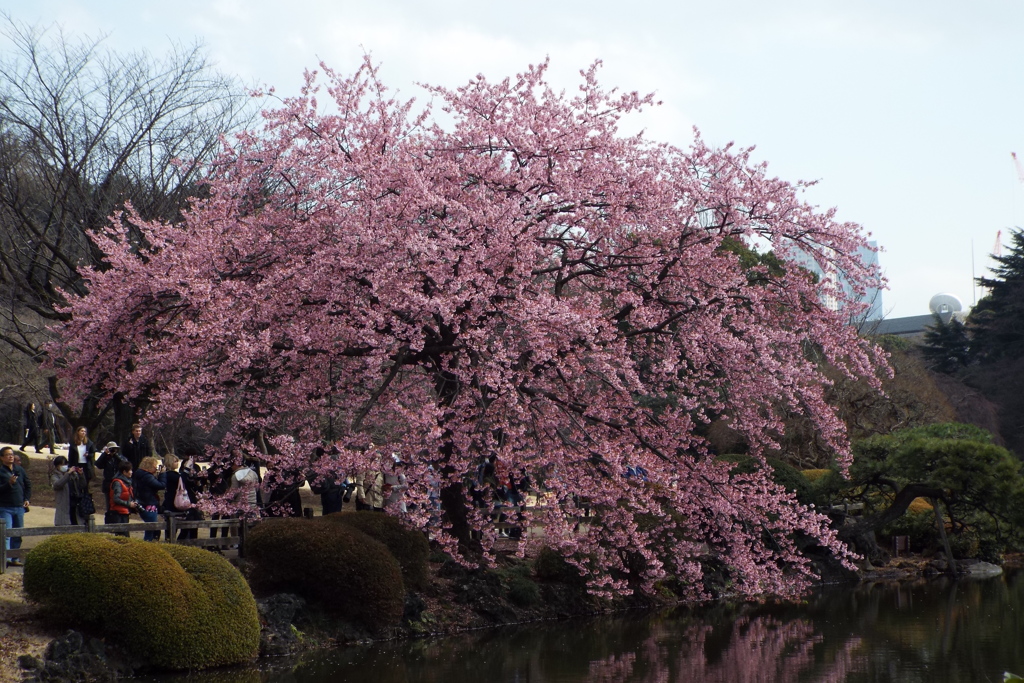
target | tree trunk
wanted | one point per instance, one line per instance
(941, 523)
(453, 503)
(124, 416)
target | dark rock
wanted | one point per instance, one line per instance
(29, 662)
(413, 609)
(497, 612)
(97, 646)
(61, 648)
(277, 613)
(450, 569)
(70, 658)
(976, 569)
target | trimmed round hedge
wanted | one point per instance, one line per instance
(410, 547)
(171, 606)
(335, 565)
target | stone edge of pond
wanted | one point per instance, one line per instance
(33, 635)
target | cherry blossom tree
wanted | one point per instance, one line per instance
(521, 283)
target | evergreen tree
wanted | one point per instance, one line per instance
(997, 322)
(947, 348)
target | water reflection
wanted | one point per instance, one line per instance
(938, 631)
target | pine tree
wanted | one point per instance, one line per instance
(997, 322)
(947, 346)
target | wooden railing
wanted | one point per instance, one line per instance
(170, 527)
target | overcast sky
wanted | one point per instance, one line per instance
(905, 111)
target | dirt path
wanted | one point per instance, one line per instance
(22, 629)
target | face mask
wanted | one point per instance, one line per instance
(63, 468)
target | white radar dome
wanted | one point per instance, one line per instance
(945, 306)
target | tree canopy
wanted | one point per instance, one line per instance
(997, 321)
(946, 346)
(978, 482)
(996, 329)
(84, 129)
(522, 283)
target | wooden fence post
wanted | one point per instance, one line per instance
(3, 545)
(241, 537)
(91, 523)
(171, 528)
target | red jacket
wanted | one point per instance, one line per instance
(120, 495)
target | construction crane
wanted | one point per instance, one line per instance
(1020, 168)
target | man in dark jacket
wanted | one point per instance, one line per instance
(48, 426)
(15, 493)
(137, 447)
(31, 427)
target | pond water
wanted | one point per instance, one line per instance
(937, 631)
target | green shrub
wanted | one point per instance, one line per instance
(226, 614)
(549, 565)
(171, 606)
(891, 342)
(792, 480)
(409, 546)
(814, 475)
(520, 588)
(523, 592)
(334, 565)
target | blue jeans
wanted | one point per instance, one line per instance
(149, 517)
(15, 519)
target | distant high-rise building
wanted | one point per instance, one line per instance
(872, 297)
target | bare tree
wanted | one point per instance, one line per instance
(83, 130)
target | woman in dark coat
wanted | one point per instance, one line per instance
(183, 473)
(146, 483)
(31, 427)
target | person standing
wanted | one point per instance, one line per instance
(245, 482)
(285, 499)
(395, 486)
(218, 481)
(330, 487)
(181, 476)
(31, 427)
(146, 482)
(109, 463)
(15, 494)
(121, 499)
(48, 426)
(65, 481)
(370, 491)
(82, 453)
(137, 447)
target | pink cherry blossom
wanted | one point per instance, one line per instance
(522, 281)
